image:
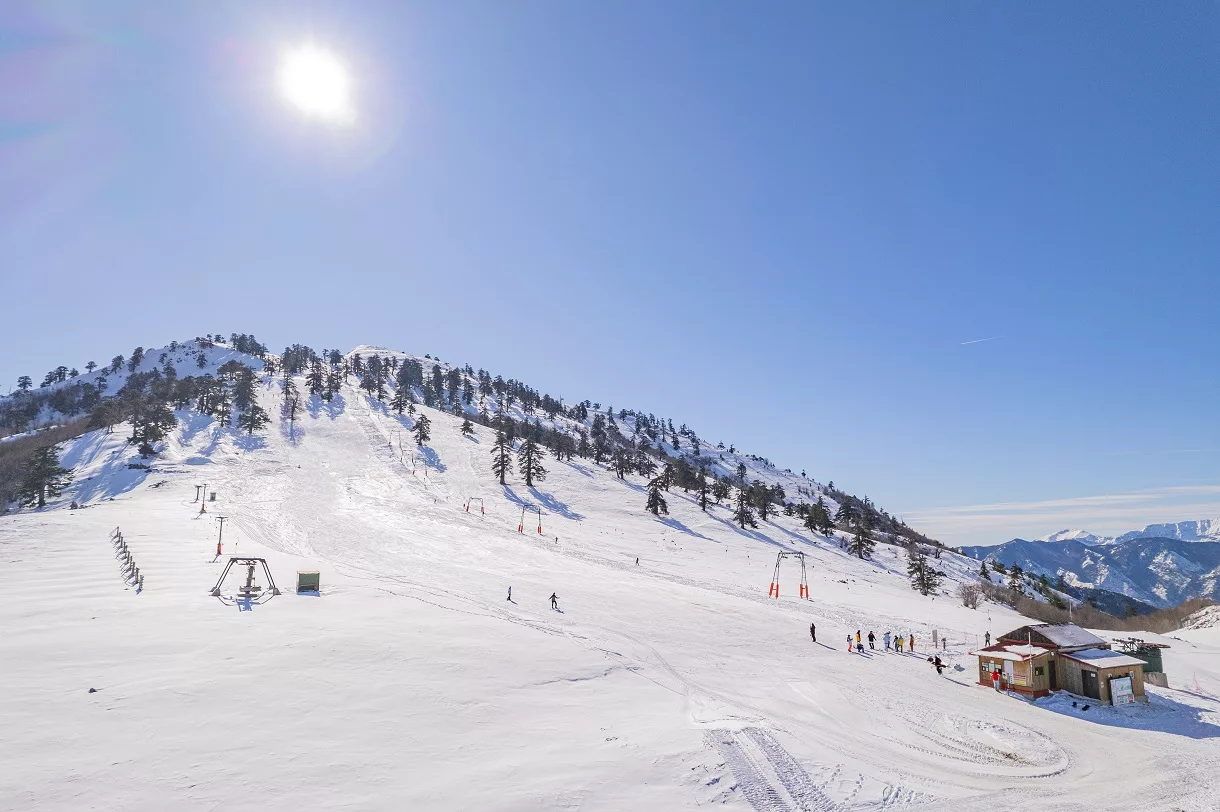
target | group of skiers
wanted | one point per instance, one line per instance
(900, 641)
(857, 643)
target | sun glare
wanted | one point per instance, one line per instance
(314, 81)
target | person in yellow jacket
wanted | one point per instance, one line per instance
(911, 642)
(857, 635)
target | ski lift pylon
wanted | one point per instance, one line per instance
(804, 587)
(470, 502)
(249, 591)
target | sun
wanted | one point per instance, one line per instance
(317, 83)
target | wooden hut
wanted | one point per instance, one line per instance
(1110, 677)
(1020, 667)
(1040, 658)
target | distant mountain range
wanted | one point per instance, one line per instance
(1161, 565)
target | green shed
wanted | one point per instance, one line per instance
(1150, 653)
(309, 581)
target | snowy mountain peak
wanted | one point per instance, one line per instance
(1198, 530)
(1082, 536)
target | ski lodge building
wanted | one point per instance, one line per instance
(1037, 659)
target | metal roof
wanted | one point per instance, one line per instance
(1104, 658)
(1009, 651)
(1063, 635)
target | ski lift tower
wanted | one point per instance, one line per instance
(804, 587)
(250, 591)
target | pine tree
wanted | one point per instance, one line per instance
(316, 379)
(861, 544)
(720, 490)
(810, 521)
(924, 577)
(150, 423)
(42, 476)
(467, 428)
(761, 497)
(501, 455)
(705, 489)
(529, 462)
(292, 403)
(334, 381)
(224, 409)
(423, 430)
(656, 501)
(24, 383)
(401, 399)
(847, 513)
(1015, 576)
(744, 514)
(983, 572)
(623, 462)
(254, 418)
(644, 463)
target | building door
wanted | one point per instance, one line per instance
(1088, 681)
(1050, 673)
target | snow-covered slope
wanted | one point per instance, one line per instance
(413, 683)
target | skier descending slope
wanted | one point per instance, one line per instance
(813, 632)
(554, 601)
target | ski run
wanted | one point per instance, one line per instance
(412, 682)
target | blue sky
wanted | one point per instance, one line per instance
(779, 224)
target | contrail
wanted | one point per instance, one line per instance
(979, 340)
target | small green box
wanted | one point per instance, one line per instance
(309, 581)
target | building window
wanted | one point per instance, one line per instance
(1038, 671)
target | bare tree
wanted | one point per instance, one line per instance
(971, 595)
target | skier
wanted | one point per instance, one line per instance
(849, 646)
(911, 642)
(940, 666)
(987, 639)
(885, 638)
(813, 632)
(898, 644)
(554, 601)
(872, 638)
(510, 594)
(637, 560)
(857, 635)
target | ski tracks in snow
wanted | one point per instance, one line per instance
(772, 780)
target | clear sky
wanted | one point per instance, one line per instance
(788, 225)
